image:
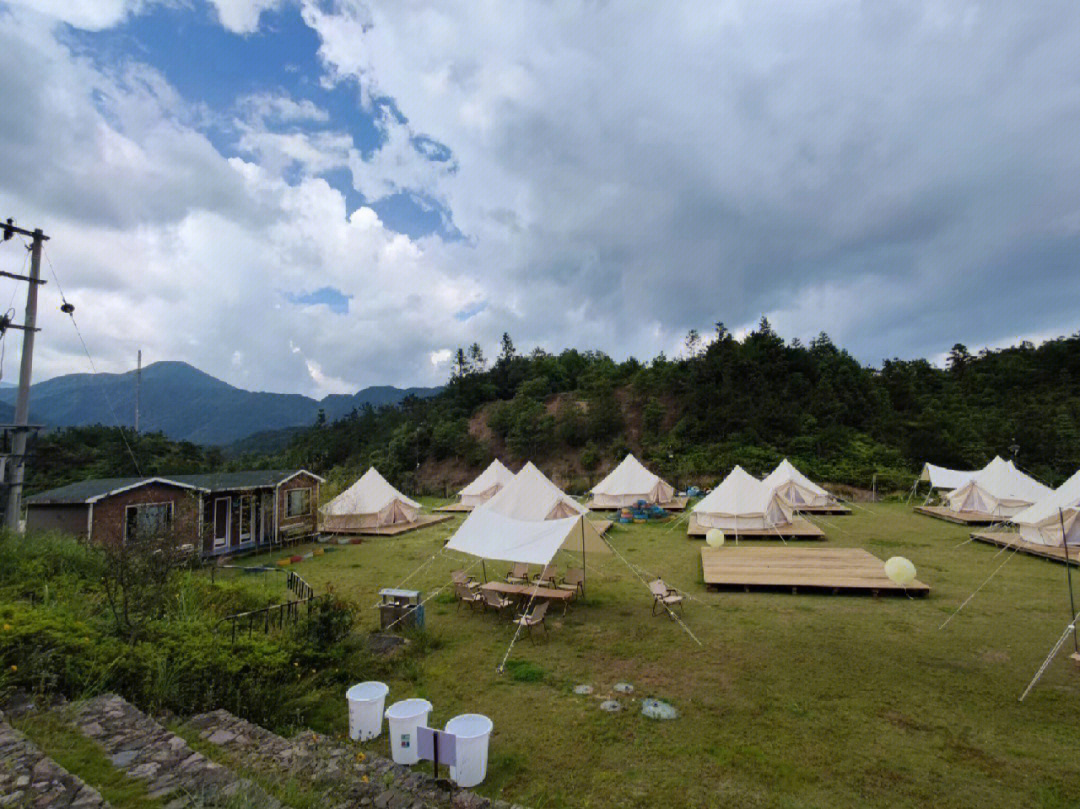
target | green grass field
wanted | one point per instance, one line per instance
(792, 701)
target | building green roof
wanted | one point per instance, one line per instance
(89, 491)
(220, 481)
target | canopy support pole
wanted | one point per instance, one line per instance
(1068, 579)
(483, 565)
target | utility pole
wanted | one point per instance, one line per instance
(138, 390)
(22, 401)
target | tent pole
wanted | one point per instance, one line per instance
(1068, 578)
(483, 565)
(582, 557)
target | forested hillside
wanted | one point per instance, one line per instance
(187, 404)
(64, 456)
(727, 401)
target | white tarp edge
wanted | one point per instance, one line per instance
(491, 535)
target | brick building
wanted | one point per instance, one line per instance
(218, 513)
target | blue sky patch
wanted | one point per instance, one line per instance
(334, 299)
(470, 312)
(279, 59)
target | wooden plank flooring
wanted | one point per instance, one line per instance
(601, 526)
(423, 521)
(798, 529)
(455, 508)
(965, 518)
(829, 570)
(1011, 539)
(835, 509)
(676, 504)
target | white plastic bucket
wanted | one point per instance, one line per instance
(366, 702)
(473, 732)
(405, 717)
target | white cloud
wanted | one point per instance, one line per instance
(696, 163)
(90, 15)
(901, 175)
(242, 16)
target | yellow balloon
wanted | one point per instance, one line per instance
(714, 538)
(900, 571)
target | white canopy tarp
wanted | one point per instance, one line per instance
(488, 534)
(531, 496)
(371, 502)
(941, 478)
(795, 488)
(742, 501)
(486, 485)
(630, 482)
(999, 489)
(1042, 521)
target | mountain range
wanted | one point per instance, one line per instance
(186, 404)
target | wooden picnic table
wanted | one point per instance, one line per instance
(524, 591)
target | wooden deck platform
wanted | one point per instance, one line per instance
(965, 518)
(454, 508)
(797, 529)
(423, 521)
(820, 570)
(835, 509)
(676, 504)
(601, 526)
(1011, 539)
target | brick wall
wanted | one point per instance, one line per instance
(110, 512)
(309, 522)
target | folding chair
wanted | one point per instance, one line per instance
(468, 596)
(497, 602)
(519, 574)
(534, 618)
(664, 596)
(574, 581)
(461, 577)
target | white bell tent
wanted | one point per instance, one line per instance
(742, 501)
(486, 485)
(999, 489)
(371, 502)
(531, 496)
(628, 483)
(1053, 519)
(795, 488)
(529, 520)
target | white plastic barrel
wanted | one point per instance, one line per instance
(405, 717)
(473, 732)
(366, 702)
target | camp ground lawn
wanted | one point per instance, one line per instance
(793, 701)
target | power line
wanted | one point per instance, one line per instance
(69, 310)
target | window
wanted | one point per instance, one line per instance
(297, 502)
(147, 520)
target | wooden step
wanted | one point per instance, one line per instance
(28, 777)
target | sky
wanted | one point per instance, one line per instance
(313, 196)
